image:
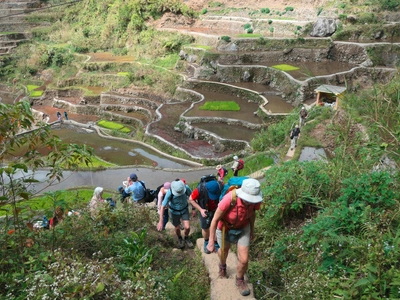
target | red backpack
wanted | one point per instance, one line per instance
(241, 164)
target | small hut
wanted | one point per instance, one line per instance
(329, 95)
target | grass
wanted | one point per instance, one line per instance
(123, 73)
(69, 198)
(220, 106)
(285, 67)
(113, 126)
(31, 90)
(249, 35)
(31, 87)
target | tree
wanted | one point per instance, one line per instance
(20, 130)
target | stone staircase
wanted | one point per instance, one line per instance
(13, 28)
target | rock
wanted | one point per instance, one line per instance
(379, 34)
(183, 55)
(192, 58)
(246, 76)
(287, 51)
(351, 19)
(323, 27)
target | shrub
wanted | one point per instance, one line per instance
(250, 30)
(271, 29)
(392, 5)
(289, 8)
(246, 26)
(204, 11)
(226, 38)
(269, 22)
(265, 10)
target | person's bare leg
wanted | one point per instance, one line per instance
(243, 260)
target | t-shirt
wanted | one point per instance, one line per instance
(137, 191)
(239, 215)
(212, 205)
(177, 204)
(295, 131)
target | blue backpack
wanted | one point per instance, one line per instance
(233, 183)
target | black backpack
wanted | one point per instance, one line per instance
(203, 193)
(155, 192)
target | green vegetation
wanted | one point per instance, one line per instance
(113, 126)
(289, 8)
(226, 38)
(220, 105)
(265, 10)
(285, 67)
(249, 35)
(246, 26)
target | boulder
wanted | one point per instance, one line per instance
(324, 27)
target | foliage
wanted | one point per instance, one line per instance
(220, 105)
(391, 5)
(204, 11)
(265, 10)
(246, 26)
(226, 38)
(289, 8)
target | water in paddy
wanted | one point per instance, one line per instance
(227, 131)
(114, 151)
(118, 152)
(246, 112)
(276, 104)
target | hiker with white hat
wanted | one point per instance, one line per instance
(233, 222)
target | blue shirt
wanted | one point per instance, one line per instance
(177, 204)
(136, 190)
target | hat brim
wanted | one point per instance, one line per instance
(249, 198)
(175, 193)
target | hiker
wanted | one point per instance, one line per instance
(58, 217)
(59, 118)
(303, 116)
(66, 115)
(160, 198)
(234, 219)
(96, 201)
(222, 172)
(237, 165)
(123, 194)
(294, 136)
(136, 188)
(205, 199)
(177, 199)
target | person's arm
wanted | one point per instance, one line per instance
(198, 207)
(160, 199)
(213, 227)
(160, 223)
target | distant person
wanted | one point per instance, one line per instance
(294, 136)
(303, 116)
(160, 198)
(221, 172)
(96, 202)
(59, 118)
(235, 165)
(66, 115)
(205, 199)
(58, 217)
(136, 188)
(177, 200)
(234, 219)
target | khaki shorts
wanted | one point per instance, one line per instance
(244, 239)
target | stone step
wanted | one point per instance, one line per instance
(223, 288)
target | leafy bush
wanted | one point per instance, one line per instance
(204, 11)
(269, 22)
(226, 38)
(246, 26)
(265, 10)
(271, 29)
(391, 5)
(250, 30)
(289, 8)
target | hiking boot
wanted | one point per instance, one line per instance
(222, 271)
(188, 242)
(205, 247)
(216, 245)
(242, 286)
(181, 243)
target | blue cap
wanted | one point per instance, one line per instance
(133, 176)
(213, 190)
